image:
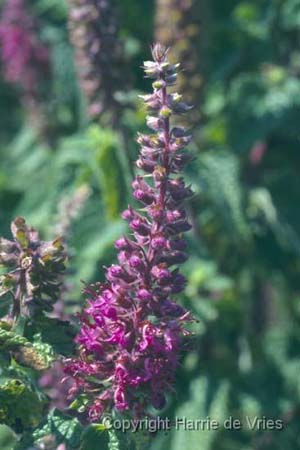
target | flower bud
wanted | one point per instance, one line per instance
(119, 398)
(180, 226)
(159, 173)
(153, 102)
(154, 123)
(161, 274)
(140, 227)
(158, 242)
(122, 257)
(144, 295)
(125, 244)
(128, 214)
(147, 165)
(159, 84)
(178, 283)
(115, 271)
(121, 244)
(159, 53)
(165, 112)
(171, 79)
(174, 215)
(136, 262)
(178, 132)
(177, 244)
(151, 69)
(144, 197)
(175, 257)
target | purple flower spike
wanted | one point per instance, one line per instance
(133, 331)
(94, 30)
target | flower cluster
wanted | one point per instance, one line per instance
(179, 26)
(34, 270)
(132, 330)
(98, 52)
(25, 58)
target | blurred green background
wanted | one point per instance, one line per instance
(63, 171)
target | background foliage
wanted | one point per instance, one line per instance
(244, 270)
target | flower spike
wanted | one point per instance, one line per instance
(133, 331)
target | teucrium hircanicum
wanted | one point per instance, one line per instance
(132, 330)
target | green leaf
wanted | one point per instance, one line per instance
(220, 174)
(57, 333)
(8, 438)
(94, 437)
(43, 349)
(9, 340)
(142, 439)
(80, 403)
(37, 355)
(65, 429)
(206, 400)
(119, 441)
(20, 407)
(108, 170)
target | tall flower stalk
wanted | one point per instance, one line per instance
(132, 330)
(98, 53)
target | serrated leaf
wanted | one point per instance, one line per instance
(37, 356)
(20, 407)
(10, 340)
(65, 429)
(119, 441)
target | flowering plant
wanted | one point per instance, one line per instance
(30, 340)
(132, 330)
